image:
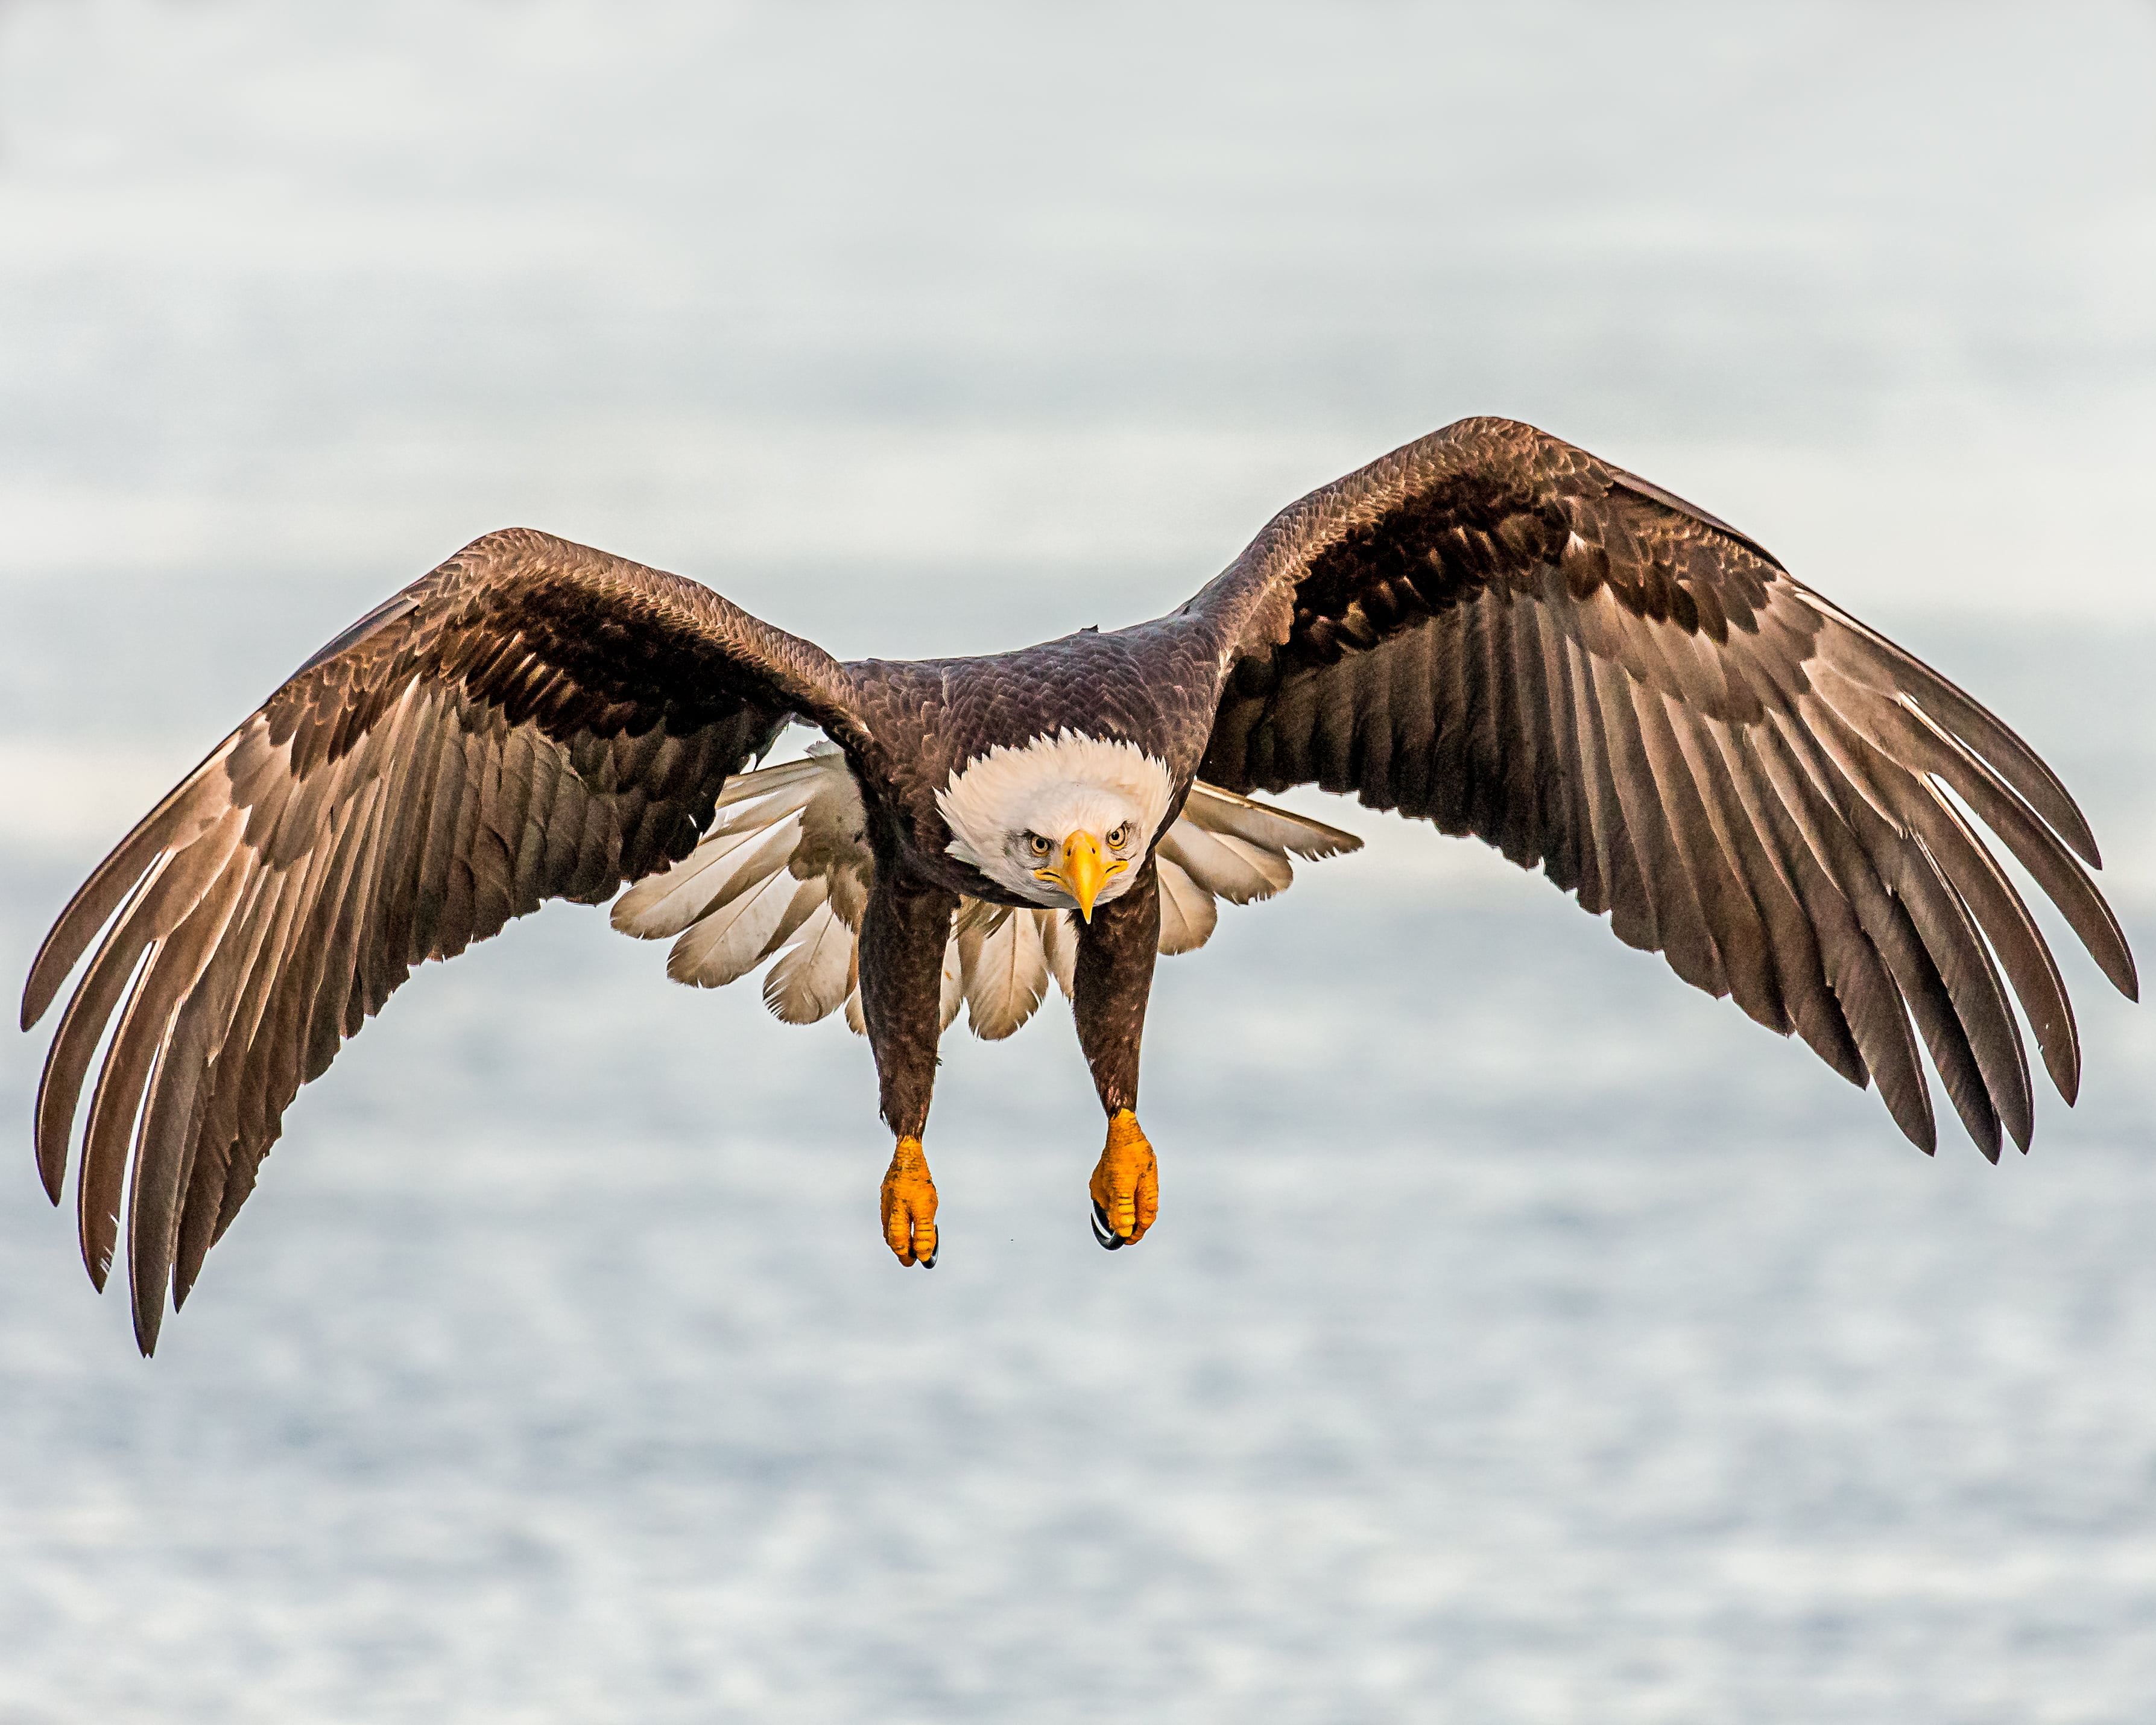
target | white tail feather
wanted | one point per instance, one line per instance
(803, 775)
(1188, 914)
(815, 974)
(1059, 942)
(1006, 971)
(1226, 866)
(666, 904)
(730, 941)
(1269, 828)
(785, 869)
(854, 1021)
(954, 984)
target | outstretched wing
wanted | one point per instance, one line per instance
(533, 720)
(1496, 632)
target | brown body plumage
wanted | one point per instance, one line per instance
(1489, 629)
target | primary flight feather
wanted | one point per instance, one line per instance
(1488, 629)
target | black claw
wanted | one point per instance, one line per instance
(929, 1262)
(1109, 1239)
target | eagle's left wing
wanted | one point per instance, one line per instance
(1498, 633)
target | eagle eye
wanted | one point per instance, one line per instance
(1037, 845)
(1119, 837)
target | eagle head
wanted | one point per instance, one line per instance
(1063, 821)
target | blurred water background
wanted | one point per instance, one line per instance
(1526, 1338)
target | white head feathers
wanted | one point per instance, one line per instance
(1054, 786)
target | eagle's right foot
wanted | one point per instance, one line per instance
(909, 1206)
(1126, 1185)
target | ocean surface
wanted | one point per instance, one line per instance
(1526, 1340)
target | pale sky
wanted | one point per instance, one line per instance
(332, 290)
(940, 328)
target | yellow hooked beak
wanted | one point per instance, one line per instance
(1083, 872)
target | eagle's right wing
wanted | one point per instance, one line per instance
(533, 720)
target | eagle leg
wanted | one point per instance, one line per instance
(909, 1205)
(1112, 978)
(904, 932)
(1126, 1185)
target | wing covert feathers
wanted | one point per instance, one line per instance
(1496, 632)
(533, 720)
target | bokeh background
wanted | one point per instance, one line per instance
(1526, 1338)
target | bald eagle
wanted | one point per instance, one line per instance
(1488, 629)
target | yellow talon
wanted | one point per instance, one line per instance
(1126, 1185)
(909, 1206)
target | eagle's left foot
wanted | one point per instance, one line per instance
(909, 1206)
(1126, 1185)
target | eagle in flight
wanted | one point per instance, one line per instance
(1488, 629)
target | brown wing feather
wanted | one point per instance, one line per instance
(533, 720)
(1494, 631)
